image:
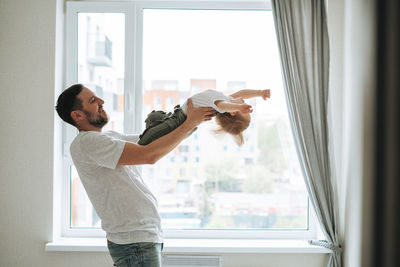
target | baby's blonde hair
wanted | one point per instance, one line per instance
(234, 125)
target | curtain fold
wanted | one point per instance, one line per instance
(301, 28)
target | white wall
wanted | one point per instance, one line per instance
(359, 88)
(352, 87)
(335, 101)
(27, 30)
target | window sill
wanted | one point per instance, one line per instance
(197, 246)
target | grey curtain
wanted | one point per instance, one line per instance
(301, 28)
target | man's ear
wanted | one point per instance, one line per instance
(77, 115)
(233, 113)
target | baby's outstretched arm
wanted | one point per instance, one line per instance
(250, 93)
(233, 107)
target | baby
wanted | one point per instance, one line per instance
(233, 114)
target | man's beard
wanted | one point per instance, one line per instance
(98, 121)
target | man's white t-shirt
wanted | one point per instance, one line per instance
(206, 98)
(127, 208)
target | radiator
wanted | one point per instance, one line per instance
(191, 261)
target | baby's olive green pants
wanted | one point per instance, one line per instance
(159, 123)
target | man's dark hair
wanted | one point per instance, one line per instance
(68, 101)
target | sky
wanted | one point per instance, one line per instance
(227, 45)
(213, 44)
(209, 44)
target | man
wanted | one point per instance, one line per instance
(106, 163)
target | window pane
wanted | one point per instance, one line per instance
(208, 182)
(101, 52)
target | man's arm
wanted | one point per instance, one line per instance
(134, 154)
(250, 93)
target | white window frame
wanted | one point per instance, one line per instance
(133, 11)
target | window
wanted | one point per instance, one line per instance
(100, 59)
(183, 148)
(182, 172)
(255, 190)
(170, 103)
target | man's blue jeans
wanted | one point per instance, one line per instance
(145, 254)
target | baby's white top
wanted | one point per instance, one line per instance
(207, 99)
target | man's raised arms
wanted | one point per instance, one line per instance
(134, 154)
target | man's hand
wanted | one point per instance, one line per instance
(266, 94)
(134, 154)
(195, 116)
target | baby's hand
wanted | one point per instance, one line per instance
(245, 108)
(265, 94)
